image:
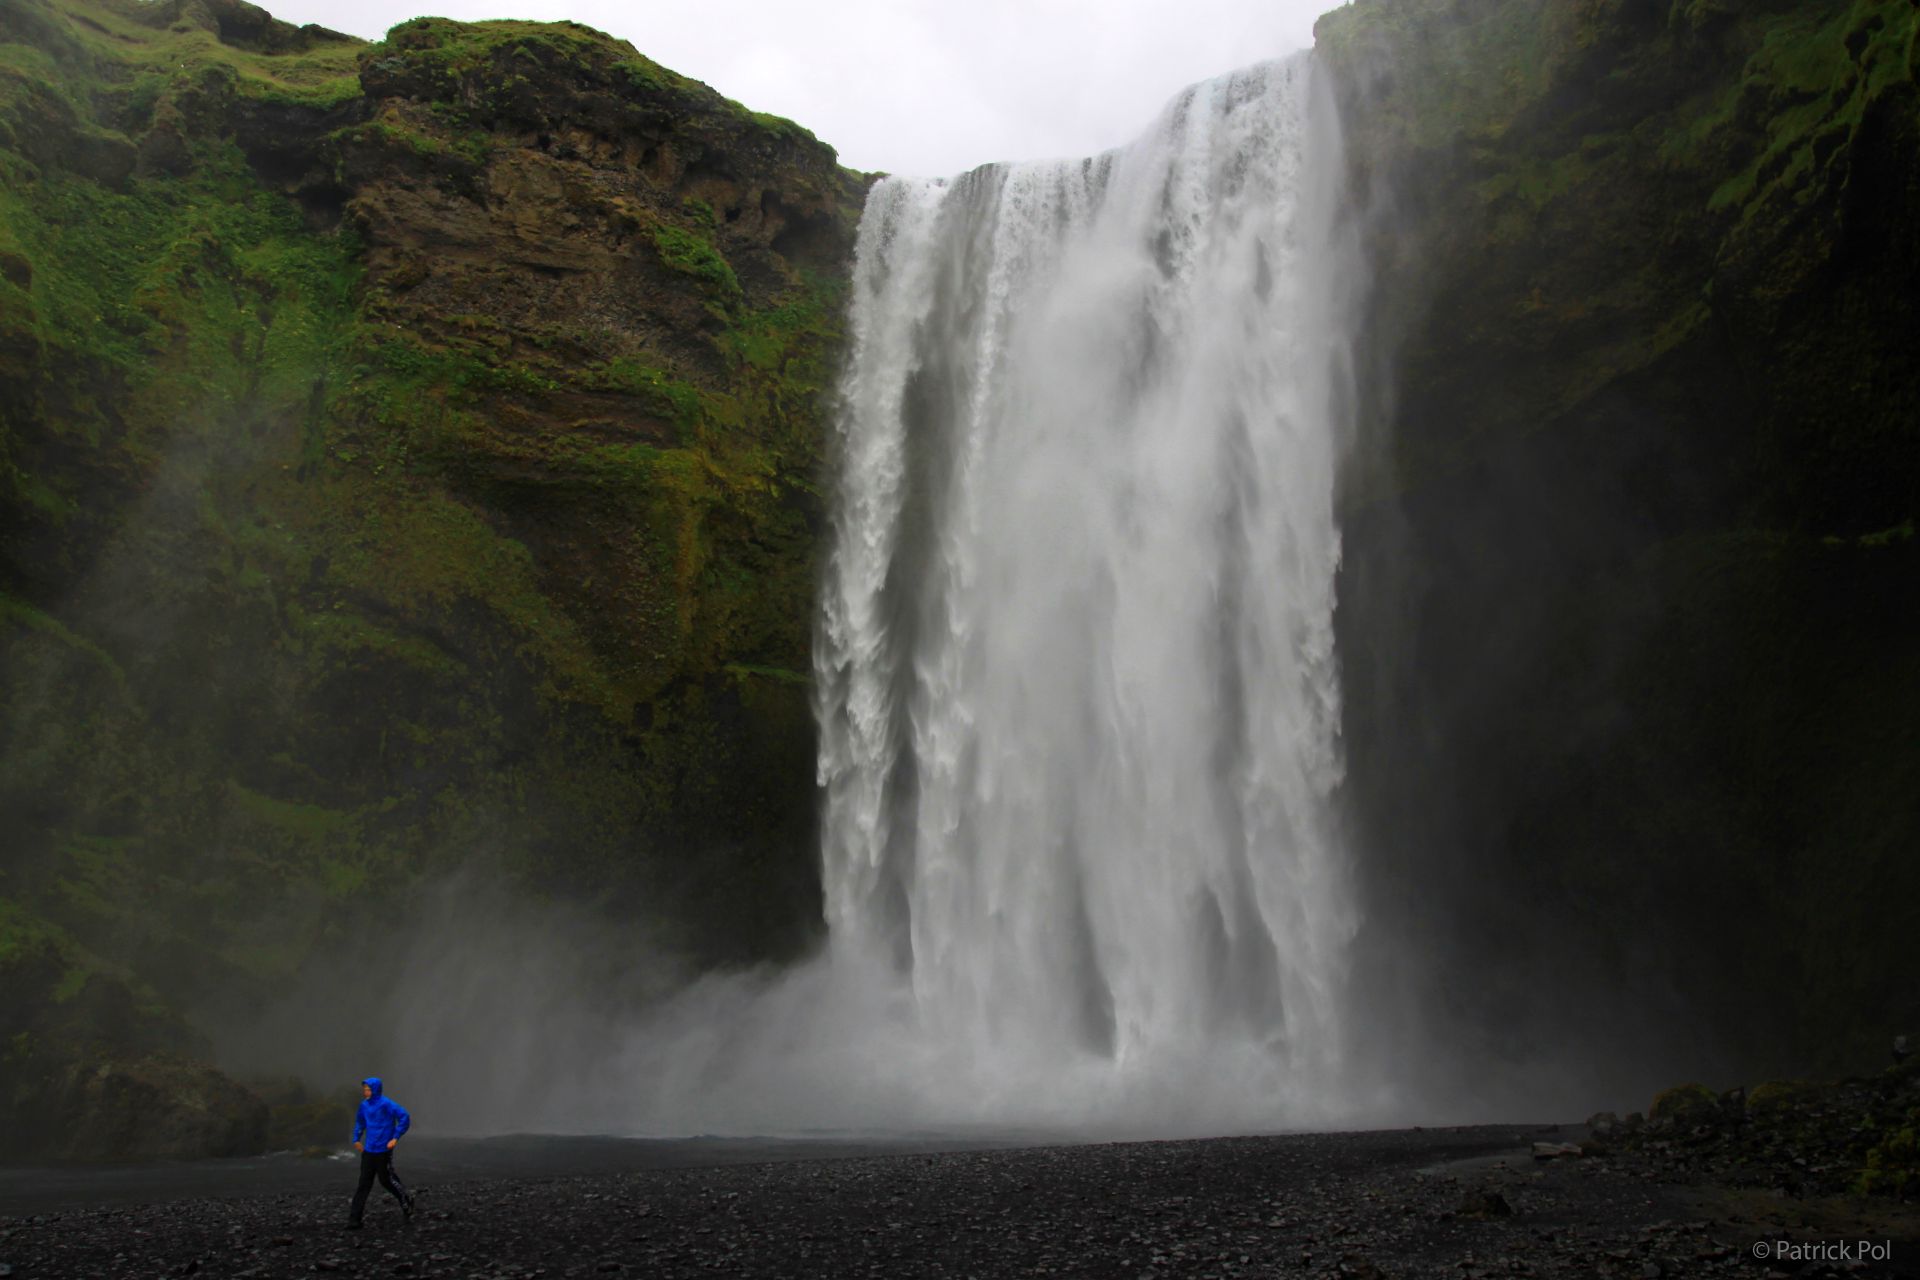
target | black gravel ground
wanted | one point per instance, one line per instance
(1457, 1203)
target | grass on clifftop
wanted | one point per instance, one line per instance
(494, 62)
(124, 55)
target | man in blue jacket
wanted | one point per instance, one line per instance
(376, 1132)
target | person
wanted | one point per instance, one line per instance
(377, 1130)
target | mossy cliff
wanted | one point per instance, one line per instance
(1631, 587)
(408, 451)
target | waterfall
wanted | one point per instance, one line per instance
(1078, 697)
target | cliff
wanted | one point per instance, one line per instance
(1630, 594)
(408, 455)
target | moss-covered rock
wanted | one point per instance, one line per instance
(1629, 589)
(1683, 1105)
(116, 1107)
(408, 451)
(1775, 1095)
(1802, 1139)
(1893, 1165)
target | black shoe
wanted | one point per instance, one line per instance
(406, 1209)
(353, 1226)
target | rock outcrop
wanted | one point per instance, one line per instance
(72, 1088)
(117, 1107)
(408, 455)
(1630, 587)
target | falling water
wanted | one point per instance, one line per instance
(1075, 674)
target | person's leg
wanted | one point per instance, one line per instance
(390, 1179)
(369, 1168)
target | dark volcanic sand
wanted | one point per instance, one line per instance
(1404, 1203)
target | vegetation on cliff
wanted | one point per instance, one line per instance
(407, 451)
(1630, 590)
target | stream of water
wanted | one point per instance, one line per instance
(1075, 671)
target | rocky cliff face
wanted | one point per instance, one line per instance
(408, 453)
(1630, 593)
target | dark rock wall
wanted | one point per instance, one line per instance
(1631, 593)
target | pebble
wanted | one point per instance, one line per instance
(1408, 1204)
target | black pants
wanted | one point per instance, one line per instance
(375, 1164)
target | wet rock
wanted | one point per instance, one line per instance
(1683, 1106)
(1775, 1095)
(138, 1107)
(1485, 1204)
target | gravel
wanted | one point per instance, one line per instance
(1459, 1203)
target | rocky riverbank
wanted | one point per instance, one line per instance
(1454, 1203)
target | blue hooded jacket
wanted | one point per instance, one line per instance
(381, 1119)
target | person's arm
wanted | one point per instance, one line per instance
(359, 1125)
(400, 1122)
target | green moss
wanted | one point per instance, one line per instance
(649, 77)
(694, 255)
(34, 949)
(343, 881)
(333, 632)
(1893, 1164)
(71, 983)
(19, 932)
(1810, 82)
(659, 391)
(469, 146)
(1775, 1095)
(1681, 1103)
(87, 42)
(301, 820)
(18, 613)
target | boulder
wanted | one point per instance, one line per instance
(111, 1107)
(1686, 1104)
(1773, 1096)
(1485, 1203)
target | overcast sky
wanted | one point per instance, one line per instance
(917, 86)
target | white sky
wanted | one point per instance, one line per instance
(922, 87)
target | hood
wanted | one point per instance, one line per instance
(373, 1083)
